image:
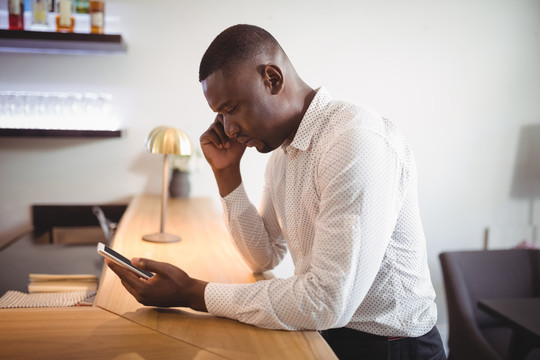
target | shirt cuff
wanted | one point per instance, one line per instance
(235, 203)
(220, 299)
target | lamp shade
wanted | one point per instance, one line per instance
(168, 140)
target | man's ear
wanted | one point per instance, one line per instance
(273, 78)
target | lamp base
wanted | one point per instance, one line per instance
(161, 238)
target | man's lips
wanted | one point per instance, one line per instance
(251, 143)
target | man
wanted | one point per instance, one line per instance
(340, 194)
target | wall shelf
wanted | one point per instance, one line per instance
(60, 133)
(60, 43)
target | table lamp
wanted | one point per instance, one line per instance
(166, 140)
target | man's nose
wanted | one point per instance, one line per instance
(231, 129)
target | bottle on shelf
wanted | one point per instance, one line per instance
(65, 22)
(40, 10)
(97, 16)
(16, 14)
(81, 6)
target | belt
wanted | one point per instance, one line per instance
(348, 333)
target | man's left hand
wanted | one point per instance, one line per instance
(169, 287)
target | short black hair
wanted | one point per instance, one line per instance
(234, 46)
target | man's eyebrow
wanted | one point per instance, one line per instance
(222, 106)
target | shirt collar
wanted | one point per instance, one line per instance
(308, 125)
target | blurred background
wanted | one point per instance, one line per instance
(460, 79)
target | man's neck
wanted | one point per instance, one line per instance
(305, 96)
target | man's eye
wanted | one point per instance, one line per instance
(232, 110)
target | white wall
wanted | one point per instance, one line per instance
(460, 79)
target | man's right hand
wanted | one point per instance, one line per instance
(220, 151)
(224, 155)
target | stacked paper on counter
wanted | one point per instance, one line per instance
(62, 283)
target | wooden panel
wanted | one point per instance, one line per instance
(85, 333)
(205, 252)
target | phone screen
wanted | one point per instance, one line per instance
(122, 260)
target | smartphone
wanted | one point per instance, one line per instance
(109, 253)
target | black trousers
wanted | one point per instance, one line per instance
(352, 344)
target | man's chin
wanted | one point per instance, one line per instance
(265, 148)
(262, 147)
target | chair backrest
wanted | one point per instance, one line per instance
(489, 274)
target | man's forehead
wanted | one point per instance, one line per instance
(212, 80)
(214, 88)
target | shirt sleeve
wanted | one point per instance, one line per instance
(357, 181)
(257, 236)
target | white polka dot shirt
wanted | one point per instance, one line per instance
(342, 198)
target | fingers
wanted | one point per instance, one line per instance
(171, 286)
(124, 274)
(150, 265)
(216, 134)
(133, 284)
(134, 292)
(120, 271)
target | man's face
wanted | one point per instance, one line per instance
(247, 108)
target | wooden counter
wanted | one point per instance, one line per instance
(85, 333)
(205, 252)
